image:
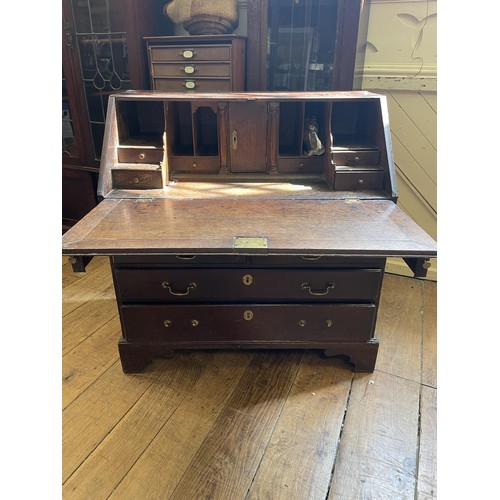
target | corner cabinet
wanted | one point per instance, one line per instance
(102, 53)
(248, 220)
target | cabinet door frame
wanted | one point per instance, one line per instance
(350, 33)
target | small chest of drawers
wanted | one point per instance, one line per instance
(214, 63)
(232, 302)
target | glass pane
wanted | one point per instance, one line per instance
(69, 144)
(103, 57)
(301, 40)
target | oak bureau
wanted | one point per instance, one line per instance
(248, 220)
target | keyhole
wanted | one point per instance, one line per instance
(247, 279)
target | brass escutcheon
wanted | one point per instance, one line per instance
(248, 315)
(247, 279)
(302, 322)
(195, 322)
(329, 323)
(167, 323)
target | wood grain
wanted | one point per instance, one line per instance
(160, 468)
(429, 343)
(377, 456)
(299, 459)
(368, 227)
(226, 461)
(114, 456)
(399, 327)
(89, 360)
(427, 457)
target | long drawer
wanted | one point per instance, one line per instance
(250, 322)
(300, 285)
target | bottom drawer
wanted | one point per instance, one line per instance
(249, 322)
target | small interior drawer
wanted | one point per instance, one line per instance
(301, 165)
(181, 260)
(190, 53)
(191, 70)
(249, 322)
(191, 164)
(355, 157)
(358, 179)
(139, 155)
(267, 285)
(191, 84)
(136, 179)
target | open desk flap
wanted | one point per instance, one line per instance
(156, 226)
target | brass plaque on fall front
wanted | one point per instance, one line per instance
(245, 242)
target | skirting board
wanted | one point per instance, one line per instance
(398, 266)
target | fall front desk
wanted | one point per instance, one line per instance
(248, 220)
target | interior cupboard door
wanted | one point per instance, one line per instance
(248, 137)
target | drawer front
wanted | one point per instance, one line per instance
(191, 285)
(193, 84)
(191, 164)
(139, 155)
(249, 322)
(359, 180)
(192, 53)
(356, 158)
(301, 165)
(324, 261)
(136, 179)
(192, 70)
(186, 260)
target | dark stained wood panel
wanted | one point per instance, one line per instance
(343, 227)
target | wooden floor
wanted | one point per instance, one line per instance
(248, 425)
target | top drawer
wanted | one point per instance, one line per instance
(193, 53)
(263, 285)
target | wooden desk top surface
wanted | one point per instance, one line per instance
(209, 226)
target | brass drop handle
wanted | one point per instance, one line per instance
(168, 286)
(234, 139)
(329, 286)
(311, 257)
(185, 257)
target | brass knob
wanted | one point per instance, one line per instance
(248, 315)
(142, 156)
(190, 84)
(135, 180)
(167, 323)
(360, 181)
(195, 322)
(302, 322)
(195, 164)
(356, 158)
(187, 54)
(329, 323)
(189, 70)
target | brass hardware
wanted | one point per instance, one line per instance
(301, 165)
(306, 286)
(195, 322)
(167, 323)
(360, 181)
(426, 264)
(142, 156)
(135, 180)
(311, 257)
(189, 70)
(329, 323)
(187, 54)
(185, 257)
(190, 84)
(302, 322)
(356, 158)
(234, 139)
(166, 285)
(195, 164)
(247, 279)
(69, 35)
(249, 242)
(248, 315)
